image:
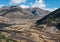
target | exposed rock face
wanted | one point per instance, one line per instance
(51, 21)
(19, 24)
(16, 15)
(27, 34)
(17, 12)
(52, 17)
(39, 13)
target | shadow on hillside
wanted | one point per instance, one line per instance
(4, 25)
(11, 10)
(58, 26)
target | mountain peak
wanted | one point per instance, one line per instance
(50, 17)
(20, 12)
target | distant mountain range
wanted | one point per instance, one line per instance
(29, 25)
(15, 12)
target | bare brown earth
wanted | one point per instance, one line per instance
(29, 33)
(23, 29)
(26, 31)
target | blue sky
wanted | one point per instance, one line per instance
(6, 2)
(52, 3)
(48, 4)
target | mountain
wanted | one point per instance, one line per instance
(39, 13)
(18, 25)
(51, 21)
(18, 12)
(18, 15)
(15, 12)
(52, 17)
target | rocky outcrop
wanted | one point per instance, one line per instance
(51, 22)
(18, 12)
(19, 24)
(23, 34)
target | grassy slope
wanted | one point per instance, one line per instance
(3, 38)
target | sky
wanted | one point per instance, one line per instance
(50, 5)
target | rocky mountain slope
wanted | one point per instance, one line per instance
(51, 21)
(29, 34)
(53, 16)
(18, 15)
(21, 28)
(14, 12)
(39, 13)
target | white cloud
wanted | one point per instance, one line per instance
(51, 9)
(39, 4)
(24, 6)
(17, 1)
(42, 5)
(1, 6)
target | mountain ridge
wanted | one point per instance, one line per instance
(50, 16)
(50, 23)
(27, 12)
(19, 24)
